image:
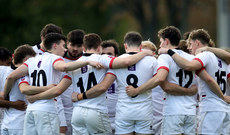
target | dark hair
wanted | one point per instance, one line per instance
(52, 38)
(183, 46)
(172, 33)
(133, 38)
(76, 36)
(91, 41)
(51, 28)
(111, 43)
(203, 36)
(186, 35)
(21, 52)
(5, 54)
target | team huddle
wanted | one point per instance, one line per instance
(87, 89)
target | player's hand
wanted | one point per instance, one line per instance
(163, 51)
(2, 94)
(95, 64)
(32, 98)
(202, 49)
(131, 91)
(19, 105)
(74, 97)
(227, 99)
(192, 90)
(147, 52)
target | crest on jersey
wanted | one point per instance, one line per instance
(132, 68)
(84, 69)
(39, 64)
(111, 89)
(23, 78)
(220, 63)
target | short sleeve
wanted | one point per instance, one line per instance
(106, 60)
(163, 62)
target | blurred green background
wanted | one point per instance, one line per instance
(22, 20)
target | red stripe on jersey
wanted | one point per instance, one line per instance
(163, 67)
(67, 77)
(154, 74)
(198, 71)
(42, 50)
(59, 59)
(23, 82)
(111, 73)
(25, 64)
(228, 75)
(202, 64)
(111, 62)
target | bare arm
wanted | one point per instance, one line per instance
(215, 88)
(177, 90)
(32, 90)
(19, 105)
(97, 90)
(130, 60)
(222, 54)
(18, 73)
(53, 92)
(158, 79)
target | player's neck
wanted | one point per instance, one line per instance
(132, 50)
(92, 51)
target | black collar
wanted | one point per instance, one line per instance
(87, 54)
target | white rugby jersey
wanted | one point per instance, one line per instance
(13, 118)
(178, 105)
(139, 107)
(87, 77)
(42, 73)
(216, 68)
(112, 99)
(37, 48)
(66, 96)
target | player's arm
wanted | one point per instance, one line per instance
(220, 53)
(12, 77)
(53, 92)
(19, 105)
(215, 88)
(158, 79)
(177, 90)
(27, 89)
(182, 62)
(70, 66)
(96, 90)
(122, 62)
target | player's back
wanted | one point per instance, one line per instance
(42, 73)
(86, 77)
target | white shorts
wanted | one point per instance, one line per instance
(6, 131)
(214, 123)
(41, 123)
(178, 124)
(88, 121)
(128, 126)
(69, 128)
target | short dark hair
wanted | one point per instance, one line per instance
(21, 52)
(51, 28)
(5, 54)
(76, 36)
(133, 38)
(111, 43)
(186, 35)
(172, 33)
(53, 38)
(203, 36)
(91, 41)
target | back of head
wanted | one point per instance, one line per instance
(91, 41)
(52, 38)
(172, 33)
(133, 38)
(203, 36)
(76, 36)
(21, 52)
(149, 45)
(5, 54)
(50, 28)
(183, 46)
(186, 35)
(111, 43)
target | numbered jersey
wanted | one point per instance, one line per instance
(86, 77)
(42, 73)
(140, 106)
(228, 86)
(178, 105)
(217, 69)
